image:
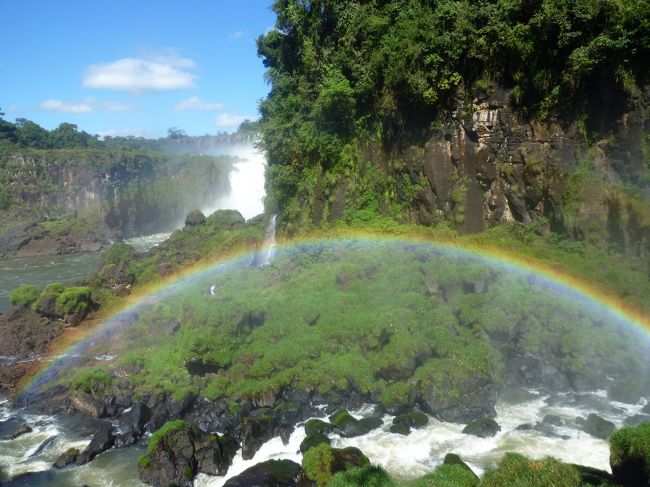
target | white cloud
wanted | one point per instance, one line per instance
(159, 73)
(196, 103)
(84, 106)
(231, 120)
(13, 109)
(237, 35)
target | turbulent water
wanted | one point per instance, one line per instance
(409, 457)
(117, 467)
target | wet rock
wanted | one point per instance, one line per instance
(257, 429)
(598, 427)
(331, 460)
(85, 403)
(553, 420)
(453, 459)
(276, 473)
(525, 427)
(626, 391)
(400, 429)
(102, 440)
(516, 395)
(350, 427)
(23, 430)
(313, 440)
(180, 451)
(67, 458)
(315, 426)
(483, 428)
(50, 441)
(412, 420)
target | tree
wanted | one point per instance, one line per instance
(30, 134)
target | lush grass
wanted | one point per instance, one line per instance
(91, 380)
(24, 295)
(447, 476)
(630, 454)
(515, 469)
(368, 476)
(159, 434)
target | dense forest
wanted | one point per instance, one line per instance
(520, 107)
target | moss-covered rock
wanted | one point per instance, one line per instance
(630, 456)
(404, 422)
(24, 295)
(368, 476)
(483, 428)
(454, 459)
(322, 462)
(348, 426)
(178, 451)
(74, 303)
(194, 217)
(312, 441)
(315, 426)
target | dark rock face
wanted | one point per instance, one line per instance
(184, 451)
(483, 428)
(23, 430)
(24, 336)
(67, 458)
(598, 427)
(636, 420)
(272, 473)
(453, 459)
(477, 399)
(593, 476)
(313, 440)
(316, 426)
(102, 440)
(348, 426)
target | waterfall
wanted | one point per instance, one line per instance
(269, 243)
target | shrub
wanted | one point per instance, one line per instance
(317, 464)
(92, 381)
(630, 455)
(53, 289)
(24, 295)
(73, 300)
(516, 469)
(117, 253)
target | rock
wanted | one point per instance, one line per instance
(275, 473)
(257, 429)
(350, 427)
(483, 428)
(525, 427)
(400, 429)
(51, 440)
(193, 218)
(311, 441)
(412, 420)
(453, 459)
(85, 403)
(322, 462)
(179, 451)
(102, 440)
(553, 420)
(598, 427)
(67, 458)
(314, 426)
(23, 430)
(516, 395)
(637, 419)
(626, 391)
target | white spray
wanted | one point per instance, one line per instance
(246, 184)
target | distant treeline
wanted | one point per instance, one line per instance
(27, 134)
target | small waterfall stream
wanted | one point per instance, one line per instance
(269, 243)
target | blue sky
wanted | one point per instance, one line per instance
(133, 67)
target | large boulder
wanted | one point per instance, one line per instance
(178, 451)
(67, 458)
(598, 427)
(276, 473)
(193, 218)
(312, 441)
(403, 423)
(102, 440)
(483, 428)
(348, 426)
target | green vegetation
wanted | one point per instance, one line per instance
(317, 464)
(368, 476)
(630, 455)
(515, 469)
(449, 476)
(160, 434)
(93, 381)
(73, 300)
(24, 295)
(345, 74)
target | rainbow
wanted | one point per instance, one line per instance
(545, 275)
